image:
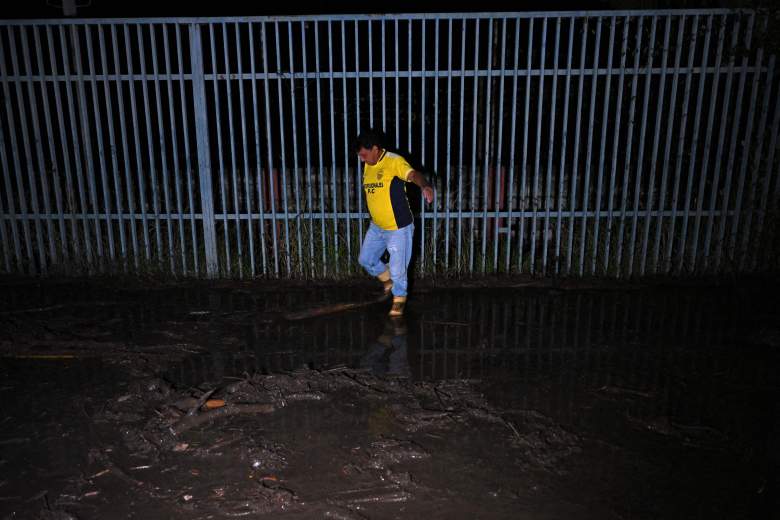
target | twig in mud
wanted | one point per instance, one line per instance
(15, 440)
(331, 309)
(441, 402)
(618, 390)
(40, 494)
(188, 422)
(511, 427)
(59, 306)
(355, 380)
(99, 474)
(446, 323)
(205, 397)
(222, 444)
(381, 494)
(115, 470)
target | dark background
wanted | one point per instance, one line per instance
(148, 8)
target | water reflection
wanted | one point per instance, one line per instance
(387, 354)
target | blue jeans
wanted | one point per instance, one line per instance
(398, 243)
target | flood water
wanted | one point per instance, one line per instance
(613, 402)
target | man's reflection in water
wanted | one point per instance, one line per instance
(386, 355)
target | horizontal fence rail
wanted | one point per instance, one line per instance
(620, 144)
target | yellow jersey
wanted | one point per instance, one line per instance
(385, 187)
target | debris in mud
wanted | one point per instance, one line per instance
(170, 429)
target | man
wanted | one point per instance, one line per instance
(384, 181)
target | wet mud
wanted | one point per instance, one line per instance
(201, 401)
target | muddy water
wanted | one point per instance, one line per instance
(653, 402)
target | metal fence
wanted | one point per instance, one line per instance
(590, 143)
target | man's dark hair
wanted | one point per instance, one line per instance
(368, 139)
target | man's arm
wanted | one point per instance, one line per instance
(419, 179)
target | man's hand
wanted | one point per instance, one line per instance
(419, 179)
(428, 194)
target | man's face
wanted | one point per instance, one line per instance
(369, 155)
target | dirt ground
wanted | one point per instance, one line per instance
(538, 400)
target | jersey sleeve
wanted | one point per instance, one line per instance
(402, 169)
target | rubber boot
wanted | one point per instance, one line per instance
(399, 302)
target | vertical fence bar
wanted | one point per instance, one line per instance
(347, 190)
(4, 162)
(668, 146)
(589, 151)
(383, 76)
(321, 175)
(656, 140)
(397, 89)
(101, 151)
(524, 166)
(163, 147)
(537, 153)
(112, 147)
(17, 166)
(511, 172)
(5, 245)
(602, 151)
(706, 151)
(245, 153)
(576, 156)
(487, 145)
(204, 157)
(233, 163)
(681, 140)
(461, 170)
(294, 104)
(435, 226)
(358, 129)
(86, 139)
(270, 150)
(615, 141)
(746, 142)
(76, 149)
(258, 156)
(641, 155)
(150, 144)
(409, 84)
(448, 156)
(564, 137)
(125, 139)
(756, 163)
(473, 151)
(548, 184)
(499, 178)
(423, 78)
(334, 185)
(137, 142)
(174, 150)
(370, 46)
(720, 151)
(629, 146)
(41, 165)
(283, 153)
(245, 157)
(220, 155)
(188, 158)
(308, 148)
(762, 209)
(53, 154)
